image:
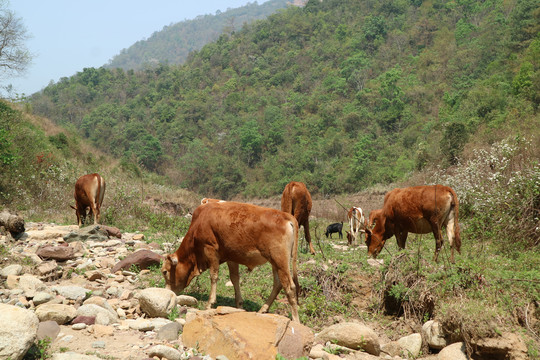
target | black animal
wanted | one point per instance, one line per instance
(334, 228)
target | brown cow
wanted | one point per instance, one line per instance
(419, 210)
(237, 233)
(296, 200)
(89, 192)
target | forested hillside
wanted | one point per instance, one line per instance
(340, 94)
(173, 43)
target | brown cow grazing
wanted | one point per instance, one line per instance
(237, 233)
(356, 221)
(419, 210)
(89, 192)
(296, 200)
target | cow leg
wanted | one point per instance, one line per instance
(438, 239)
(275, 290)
(340, 235)
(401, 237)
(214, 272)
(282, 278)
(235, 279)
(308, 236)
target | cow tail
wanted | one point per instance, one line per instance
(457, 235)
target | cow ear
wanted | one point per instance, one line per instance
(173, 259)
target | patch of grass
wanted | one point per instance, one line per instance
(39, 351)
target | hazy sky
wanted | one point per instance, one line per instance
(70, 35)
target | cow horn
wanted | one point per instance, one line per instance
(73, 207)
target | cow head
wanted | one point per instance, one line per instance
(81, 213)
(374, 231)
(178, 274)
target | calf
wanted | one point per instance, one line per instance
(334, 228)
(356, 221)
(296, 200)
(89, 193)
(237, 233)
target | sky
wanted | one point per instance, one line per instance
(70, 35)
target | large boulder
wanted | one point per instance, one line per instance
(157, 302)
(143, 259)
(238, 334)
(18, 331)
(352, 335)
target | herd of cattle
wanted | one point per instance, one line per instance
(239, 233)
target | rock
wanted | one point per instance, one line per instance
(13, 223)
(87, 320)
(246, 335)
(49, 233)
(169, 331)
(352, 335)
(433, 333)
(143, 259)
(11, 270)
(47, 267)
(60, 313)
(147, 324)
(411, 345)
(94, 275)
(42, 297)
(88, 233)
(164, 352)
(102, 302)
(48, 329)
(506, 346)
(30, 285)
(79, 326)
(102, 316)
(455, 351)
(71, 292)
(185, 300)
(157, 302)
(112, 231)
(58, 253)
(18, 331)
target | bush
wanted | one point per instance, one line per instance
(499, 193)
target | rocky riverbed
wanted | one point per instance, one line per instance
(74, 292)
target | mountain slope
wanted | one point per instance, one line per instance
(338, 94)
(173, 43)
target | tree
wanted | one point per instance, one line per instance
(14, 56)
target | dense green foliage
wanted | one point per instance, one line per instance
(337, 94)
(174, 42)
